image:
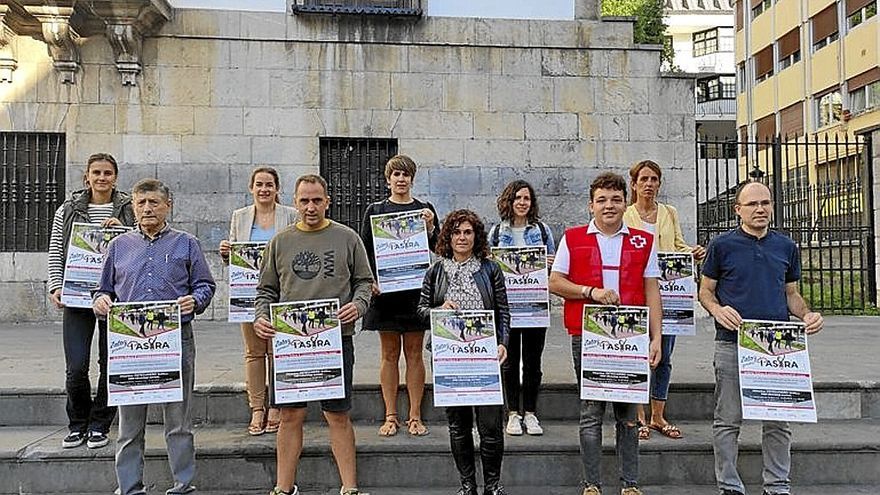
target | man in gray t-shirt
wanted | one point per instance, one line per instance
(316, 258)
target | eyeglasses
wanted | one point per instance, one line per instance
(754, 204)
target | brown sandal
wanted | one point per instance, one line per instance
(256, 426)
(416, 427)
(390, 426)
(273, 421)
(668, 430)
(644, 432)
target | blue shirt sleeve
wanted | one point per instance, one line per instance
(108, 273)
(793, 274)
(200, 280)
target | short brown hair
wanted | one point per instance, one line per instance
(451, 222)
(400, 162)
(608, 180)
(311, 179)
(505, 201)
(151, 185)
(636, 169)
(267, 170)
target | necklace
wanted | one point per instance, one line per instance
(649, 216)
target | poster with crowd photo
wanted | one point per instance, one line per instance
(678, 292)
(85, 260)
(245, 261)
(614, 354)
(307, 351)
(144, 353)
(775, 380)
(401, 250)
(525, 275)
(465, 358)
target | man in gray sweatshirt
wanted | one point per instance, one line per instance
(315, 258)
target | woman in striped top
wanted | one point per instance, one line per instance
(98, 203)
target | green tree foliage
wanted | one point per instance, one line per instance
(649, 27)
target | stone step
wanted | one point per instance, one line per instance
(575, 490)
(227, 404)
(832, 452)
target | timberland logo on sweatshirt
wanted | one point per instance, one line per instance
(308, 265)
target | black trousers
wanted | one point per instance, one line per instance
(526, 344)
(84, 413)
(490, 426)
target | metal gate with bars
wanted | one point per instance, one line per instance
(32, 168)
(355, 172)
(822, 198)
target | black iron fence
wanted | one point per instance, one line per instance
(822, 198)
(31, 188)
(355, 172)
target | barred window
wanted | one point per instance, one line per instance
(705, 42)
(32, 170)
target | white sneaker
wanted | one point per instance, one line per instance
(533, 426)
(514, 424)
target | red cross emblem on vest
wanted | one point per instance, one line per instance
(638, 241)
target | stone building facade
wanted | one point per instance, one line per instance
(476, 102)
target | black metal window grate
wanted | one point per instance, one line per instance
(407, 8)
(355, 172)
(32, 170)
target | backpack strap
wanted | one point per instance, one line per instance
(543, 232)
(494, 235)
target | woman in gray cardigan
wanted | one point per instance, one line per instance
(259, 222)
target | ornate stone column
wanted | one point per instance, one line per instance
(60, 37)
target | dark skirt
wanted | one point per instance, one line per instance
(394, 312)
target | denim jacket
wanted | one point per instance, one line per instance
(532, 236)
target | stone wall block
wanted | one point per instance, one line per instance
(239, 88)
(263, 54)
(30, 301)
(151, 148)
(264, 25)
(267, 121)
(215, 149)
(615, 96)
(416, 91)
(152, 119)
(50, 89)
(551, 126)
(502, 32)
(432, 59)
(178, 85)
(218, 120)
(557, 33)
(521, 62)
(565, 63)
(450, 30)
(671, 95)
(643, 62)
(197, 208)
(574, 94)
(605, 34)
(164, 52)
(35, 116)
(334, 88)
(7, 267)
(430, 153)
(80, 146)
(95, 50)
(520, 94)
(210, 234)
(454, 180)
(437, 125)
(190, 178)
(296, 89)
(278, 150)
(240, 175)
(621, 154)
(499, 125)
(676, 127)
(648, 127)
(465, 92)
(371, 90)
(21, 267)
(480, 59)
(492, 153)
(204, 22)
(574, 153)
(614, 127)
(133, 172)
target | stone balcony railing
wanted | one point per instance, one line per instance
(62, 22)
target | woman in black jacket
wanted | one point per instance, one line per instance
(98, 203)
(465, 279)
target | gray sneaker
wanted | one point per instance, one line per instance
(514, 425)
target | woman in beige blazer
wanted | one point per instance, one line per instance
(259, 222)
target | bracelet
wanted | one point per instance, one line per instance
(590, 294)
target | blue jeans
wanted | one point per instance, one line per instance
(177, 417)
(661, 375)
(84, 413)
(590, 430)
(776, 435)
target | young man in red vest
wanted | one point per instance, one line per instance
(606, 262)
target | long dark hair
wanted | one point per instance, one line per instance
(452, 222)
(505, 201)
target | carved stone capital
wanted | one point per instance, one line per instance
(60, 38)
(126, 42)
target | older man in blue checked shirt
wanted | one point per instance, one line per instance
(153, 263)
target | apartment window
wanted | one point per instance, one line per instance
(705, 42)
(760, 6)
(825, 27)
(859, 11)
(829, 107)
(764, 64)
(32, 169)
(741, 76)
(765, 130)
(864, 91)
(791, 121)
(789, 48)
(716, 88)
